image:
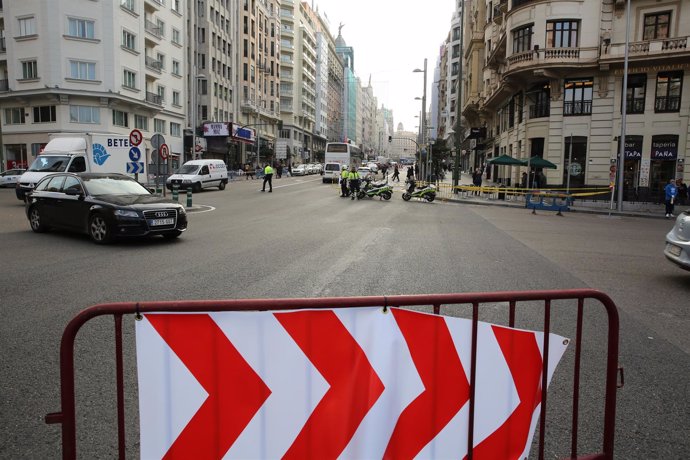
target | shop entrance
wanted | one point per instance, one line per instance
(575, 161)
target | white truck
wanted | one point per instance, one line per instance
(89, 152)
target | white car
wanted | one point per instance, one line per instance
(677, 248)
(300, 170)
(374, 167)
(10, 177)
(365, 171)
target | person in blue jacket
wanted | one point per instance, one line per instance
(670, 194)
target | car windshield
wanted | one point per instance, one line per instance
(333, 167)
(114, 186)
(188, 169)
(50, 164)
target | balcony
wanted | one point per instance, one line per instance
(153, 63)
(539, 111)
(497, 55)
(153, 29)
(575, 108)
(667, 104)
(660, 48)
(154, 98)
(533, 60)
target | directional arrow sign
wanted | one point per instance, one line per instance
(134, 154)
(349, 383)
(134, 167)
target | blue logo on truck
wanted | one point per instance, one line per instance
(100, 154)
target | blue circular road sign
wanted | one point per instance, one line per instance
(134, 153)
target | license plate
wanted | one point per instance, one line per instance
(673, 249)
(159, 222)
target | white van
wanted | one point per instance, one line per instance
(199, 174)
(331, 172)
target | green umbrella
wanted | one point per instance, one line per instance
(538, 162)
(506, 160)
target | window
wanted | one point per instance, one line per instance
(129, 40)
(176, 98)
(522, 39)
(161, 27)
(81, 28)
(120, 118)
(578, 97)
(159, 125)
(656, 25)
(161, 58)
(45, 114)
(637, 88)
(84, 114)
(81, 70)
(160, 90)
(141, 122)
(176, 37)
(562, 34)
(27, 26)
(176, 67)
(127, 4)
(29, 70)
(175, 6)
(668, 89)
(14, 116)
(129, 79)
(175, 129)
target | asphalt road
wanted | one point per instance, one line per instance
(302, 240)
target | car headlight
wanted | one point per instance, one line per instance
(126, 213)
(182, 211)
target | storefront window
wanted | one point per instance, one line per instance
(663, 163)
(575, 161)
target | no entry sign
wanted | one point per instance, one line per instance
(346, 383)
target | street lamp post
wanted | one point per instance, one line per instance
(423, 121)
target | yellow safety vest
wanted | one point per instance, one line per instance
(268, 170)
(344, 174)
(353, 175)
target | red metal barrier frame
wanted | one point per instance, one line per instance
(67, 392)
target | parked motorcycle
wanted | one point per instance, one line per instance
(372, 189)
(427, 192)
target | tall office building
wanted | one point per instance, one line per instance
(85, 66)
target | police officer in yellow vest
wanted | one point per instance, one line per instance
(268, 176)
(353, 178)
(343, 181)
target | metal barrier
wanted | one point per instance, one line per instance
(510, 300)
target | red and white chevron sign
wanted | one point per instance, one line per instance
(355, 383)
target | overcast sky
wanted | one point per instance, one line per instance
(390, 40)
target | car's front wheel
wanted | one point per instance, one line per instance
(172, 235)
(99, 230)
(36, 221)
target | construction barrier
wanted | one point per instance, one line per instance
(306, 327)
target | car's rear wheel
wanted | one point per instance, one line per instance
(99, 230)
(221, 186)
(36, 221)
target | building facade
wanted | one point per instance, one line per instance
(551, 86)
(83, 66)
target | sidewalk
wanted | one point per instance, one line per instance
(630, 209)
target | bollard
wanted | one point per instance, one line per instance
(189, 197)
(175, 192)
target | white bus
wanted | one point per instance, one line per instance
(339, 154)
